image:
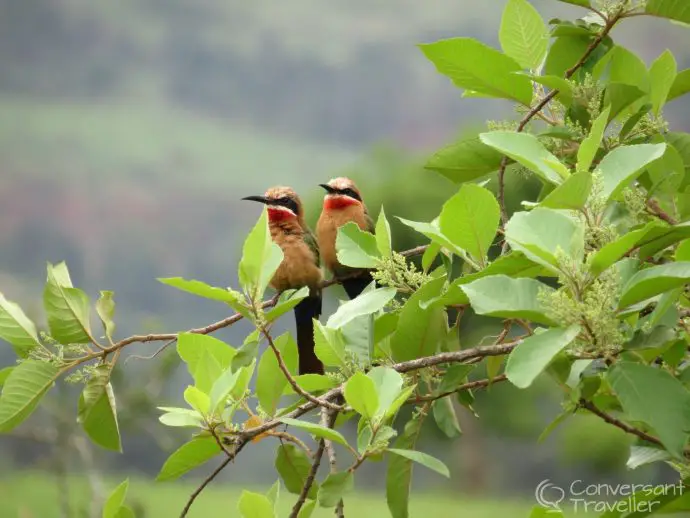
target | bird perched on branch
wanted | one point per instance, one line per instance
(300, 266)
(342, 204)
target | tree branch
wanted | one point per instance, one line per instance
(619, 424)
(655, 209)
(465, 386)
(328, 420)
(310, 479)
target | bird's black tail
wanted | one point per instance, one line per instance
(305, 311)
(355, 285)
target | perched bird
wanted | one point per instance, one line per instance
(300, 266)
(342, 204)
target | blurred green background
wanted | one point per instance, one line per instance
(129, 131)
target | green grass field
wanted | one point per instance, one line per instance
(35, 495)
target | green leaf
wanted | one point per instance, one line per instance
(419, 329)
(571, 194)
(678, 10)
(23, 389)
(424, 459)
(115, 500)
(207, 371)
(16, 328)
(105, 307)
(662, 75)
(311, 383)
(329, 345)
(634, 119)
(527, 150)
(270, 380)
(643, 455)
(622, 66)
(191, 347)
(653, 396)
(201, 289)
(662, 236)
(356, 247)
(581, 3)
(503, 296)
(590, 145)
(433, 232)
(189, 456)
(383, 235)
(388, 385)
(98, 412)
(335, 487)
(564, 53)
(255, 505)
(307, 509)
(316, 429)
(465, 161)
(470, 220)
(293, 465)
(365, 304)
(565, 89)
(181, 417)
(651, 281)
(67, 308)
(444, 415)
(523, 34)
(615, 250)
(683, 251)
(532, 356)
(474, 66)
(360, 394)
(621, 99)
(287, 301)
(399, 472)
(260, 258)
(197, 399)
(4, 374)
(274, 494)
(541, 232)
(680, 86)
(622, 165)
(222, 386)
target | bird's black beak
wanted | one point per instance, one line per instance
(328, 188)
(260, 199)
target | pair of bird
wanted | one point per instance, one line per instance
(302, 253)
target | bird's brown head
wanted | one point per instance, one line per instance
(282, 203)
(340, 193)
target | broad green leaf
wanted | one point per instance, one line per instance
(565, 51)
(293, 466)
(4, 373)
(643, 455)
(365, 304)
(465, 160)
(634, 119)
(335, 487)
(444, 415)
(270, 380)
(571, 194)
(399, 401)
(662, 236)
(523, 34)
(678, 10)
(360, 394)
(222, 386)
(581, 3)
(565, 89)
(399, 472)
(311, 383)
(680, 86)
(307, 509)
(274, 494)
(474, 66)
(653, 396)
(424, 459)
(23, 389)
(590, 145)
(383, 235)
(197, 399)
(527, 150)
(189, 456)
(16, 328)
(67, 308)
(201, 289)
(659, 336)
(207, 371)
(622, 66)
(329, 345)
(622, 100)
(255, 505)
(540, 233)
(615, 250)
(683, 251)
(260, 258)
(662, 74)
(181, 417)
(622, 165)
(316, 429)
(539, 511)
(419, 329)
(356, 247)
(667, 173)
(388, 385)
(243, 380)
(470, 220)
(98, 412)
(653, 281)
(534, 353)
(191, 347)
(287, 301)
(105, 307)
(433, 232)
(505, 297)
(115, 500)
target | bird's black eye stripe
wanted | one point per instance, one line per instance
(351, 193)
(288, 202)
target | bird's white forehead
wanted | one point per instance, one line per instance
(340, 183)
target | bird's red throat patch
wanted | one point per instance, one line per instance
(280, 214)
(338, 202)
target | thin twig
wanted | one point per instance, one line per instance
(619, 424)
(655, 209)
(310, 479)
(284, 436)
(465, 386)
(328, 420)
